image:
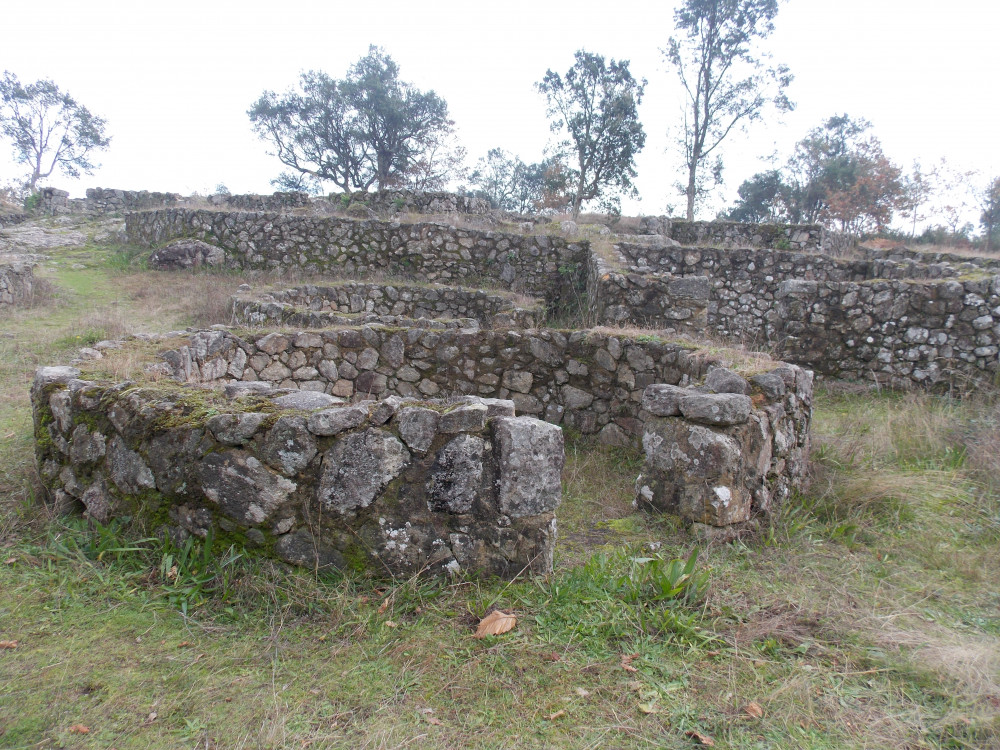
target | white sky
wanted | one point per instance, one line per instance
(174, 79)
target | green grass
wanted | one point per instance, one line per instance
(867, 615)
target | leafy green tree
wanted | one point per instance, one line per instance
(727, 83)
(289, 182)
(761, 199)
(369, 129)
(838, 175)
(596, 105)
(49, 129)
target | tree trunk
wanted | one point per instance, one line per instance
(690, 192)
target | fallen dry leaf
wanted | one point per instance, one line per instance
(391, 624)
(701, 739)
(753, 709)
(627, 660)
(495, 623)
(551, 656)
(384, 606)
(557, 715)
(433, 720)
(79, 729)
(648, 708)
(10, 561)
(8, 644)
(184, 644)
(151, 718)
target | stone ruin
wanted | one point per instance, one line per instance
(410, 421)
(404, 450)
(17, 277)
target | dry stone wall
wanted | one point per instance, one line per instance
(899, 333)
(110, 201)
(251, 202)
(733, 293)
(16, 278)
(305, 305)
(677, 304)
(549, 267)
(731, 234)
(962, 263)
(725, 451)
(398, 487)
(587, 380)
(415, 201)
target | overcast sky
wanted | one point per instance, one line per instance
(174, 79)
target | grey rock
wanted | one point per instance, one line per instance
(273, 343)
(722, 380)
(45, 376)
(418, 427)
(663, 400)
(358, 468)
(242, 487)
(576, 398)
(334, 421)
(289, 446)
(614, 436)
(235, 390)
(97, 501)
(455, 478)
(770, 384)
(517, 380)
(466, 418)
(127, 469)
(531, 457)
(187, 253)
(235, 429)
(307, 400)
(716, 409)
(86, 446)
(302, 548)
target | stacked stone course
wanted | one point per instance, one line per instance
(549, 267)
(318, 306)
(16, 278)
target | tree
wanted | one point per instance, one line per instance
(368, 129)
(726, 81)
(297, 183)
(761, 199)
(596, 104)
(508, 183)
(839, 176)
(49, 129)
(989, 219)
(918, 187)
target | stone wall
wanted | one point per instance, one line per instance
(109, 201)
(301, 305)
(414, 201)
(725, 451)
(677, 304)
(16, 278)
(896, 333)
(396, 487)
(587, 380)
(9, 219)
(732, 234)
(275, 202)
(54, 201)
(549, 267)
(962, 263)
